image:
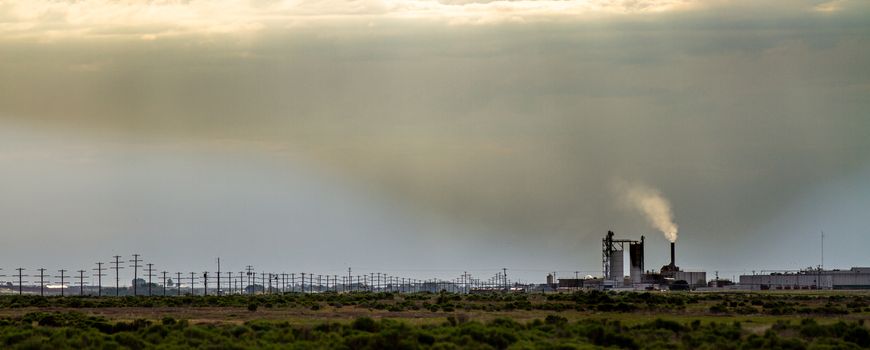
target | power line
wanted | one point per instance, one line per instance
(249, 270)
(178, 283)
(192, 276)
(135, 267)
(117, 269)
(164, 282)
(100, 275)
(41, 281)
(150, 271)
(20, 281)
(81, 282)
(62, 285)
(205, 283)
(218, 276)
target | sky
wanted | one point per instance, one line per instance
(427, 138)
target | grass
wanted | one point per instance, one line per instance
(578, 320)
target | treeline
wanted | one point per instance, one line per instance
(75, 331)
(592, 301)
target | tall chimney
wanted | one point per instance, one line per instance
(673, 263)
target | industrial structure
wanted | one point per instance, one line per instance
(613, 258)
(670, 275)
(818, 278)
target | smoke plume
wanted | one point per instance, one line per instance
(652, 204)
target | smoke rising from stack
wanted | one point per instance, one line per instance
(650, 202)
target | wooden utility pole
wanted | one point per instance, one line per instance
(117, 268)
(164, 282)
(41, 281)
(150, 271)
(192, 275)
(62, 285)
(135, 267)
(230, 281)
(20, 281)
(218, 291)
(250, 273)
(178, 283)
(81, 282)
(99, 275)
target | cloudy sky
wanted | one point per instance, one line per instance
(428, 138)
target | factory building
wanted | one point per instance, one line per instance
(693, 278)
(612, 258)
(854, 278)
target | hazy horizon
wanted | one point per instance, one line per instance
(428, 137)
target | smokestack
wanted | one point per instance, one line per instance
(673, 263)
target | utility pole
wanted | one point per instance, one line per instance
(135, 267)
(240, 282)
(81, 282)
(100, 275)
(292, 283)
(192, 274)
(178, 283)
(250, 273)
(230, 281)
(218, 276)
(164, 282)
(117, 268)
(150, 271)
(303, 283)
(505, 279)
(20, 281)
(263, 278)
(62, 285)
(41, 281)
(205, 283)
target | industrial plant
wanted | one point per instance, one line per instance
(672, 277)
(669, 276)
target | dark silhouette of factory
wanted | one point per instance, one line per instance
(669, 276)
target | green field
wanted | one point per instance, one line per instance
(796, 320)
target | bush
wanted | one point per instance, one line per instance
(365, 324)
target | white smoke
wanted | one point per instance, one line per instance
(652, 204)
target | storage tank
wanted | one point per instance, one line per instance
(617, 272)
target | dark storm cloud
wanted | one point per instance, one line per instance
(515, 128)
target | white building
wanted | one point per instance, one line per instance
(854, 278)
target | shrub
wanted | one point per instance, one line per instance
(365, 324)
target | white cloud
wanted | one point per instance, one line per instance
(149, 19)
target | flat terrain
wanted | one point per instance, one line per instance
(373, 320)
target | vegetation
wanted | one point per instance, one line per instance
(647, 320)
(41, 330)
(593, 301)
